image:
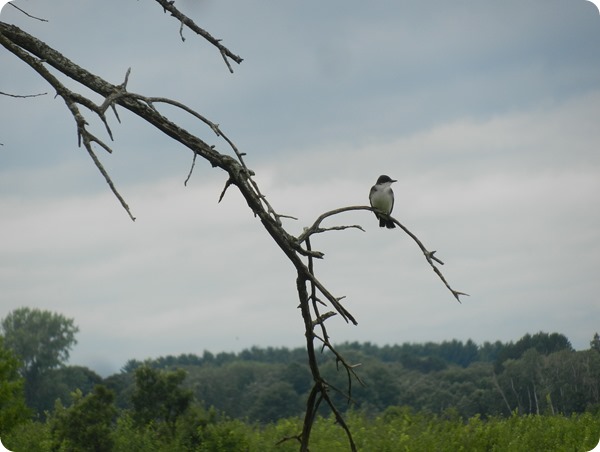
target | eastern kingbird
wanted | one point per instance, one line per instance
(381, 198)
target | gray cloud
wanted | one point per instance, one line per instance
(486, 113)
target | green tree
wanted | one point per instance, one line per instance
(595, 343)
(158, 396)
(42, 340)
(86, 425)
(60, 383)
(12, 400)
(543, 343)
(273, 400)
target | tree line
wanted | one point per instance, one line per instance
(539, 373)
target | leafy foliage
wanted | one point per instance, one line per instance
(41, 340)
(158, 397)
(445, 396)
(86, 424)
(267, 384)
(543, 343)
(397, 429)
(12, 400)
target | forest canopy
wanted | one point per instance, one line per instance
(539, 373)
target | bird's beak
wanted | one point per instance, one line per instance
(394, 181)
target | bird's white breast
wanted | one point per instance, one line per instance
(382, 199)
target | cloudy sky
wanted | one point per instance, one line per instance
(487, 113)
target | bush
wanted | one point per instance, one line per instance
(86, 425)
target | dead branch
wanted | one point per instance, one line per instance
(121, 92)
(315, 228)
(315, 319)
(26, 13)
(33, 52)
(298, 250)
(187, 179)
(22, 96)
(71, 99)
(320, 389)
(16, 39)
(169, 5)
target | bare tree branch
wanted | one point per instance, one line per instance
(315, 228)
(320, 389)
(169, 5)
(22, 96)
(26, 13)
(187, 179)
(71, 99)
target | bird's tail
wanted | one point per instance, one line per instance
(386, 223)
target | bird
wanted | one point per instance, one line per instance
(381, 198)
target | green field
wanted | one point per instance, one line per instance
(398, 429)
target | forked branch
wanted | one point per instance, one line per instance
(313, 319)
(72, 100)
(316, 228)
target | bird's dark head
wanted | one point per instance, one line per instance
(384, 179)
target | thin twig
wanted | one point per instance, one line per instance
(22, 96)
(26, 13)
(109, 182)
(191, 170)
(227, 185)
